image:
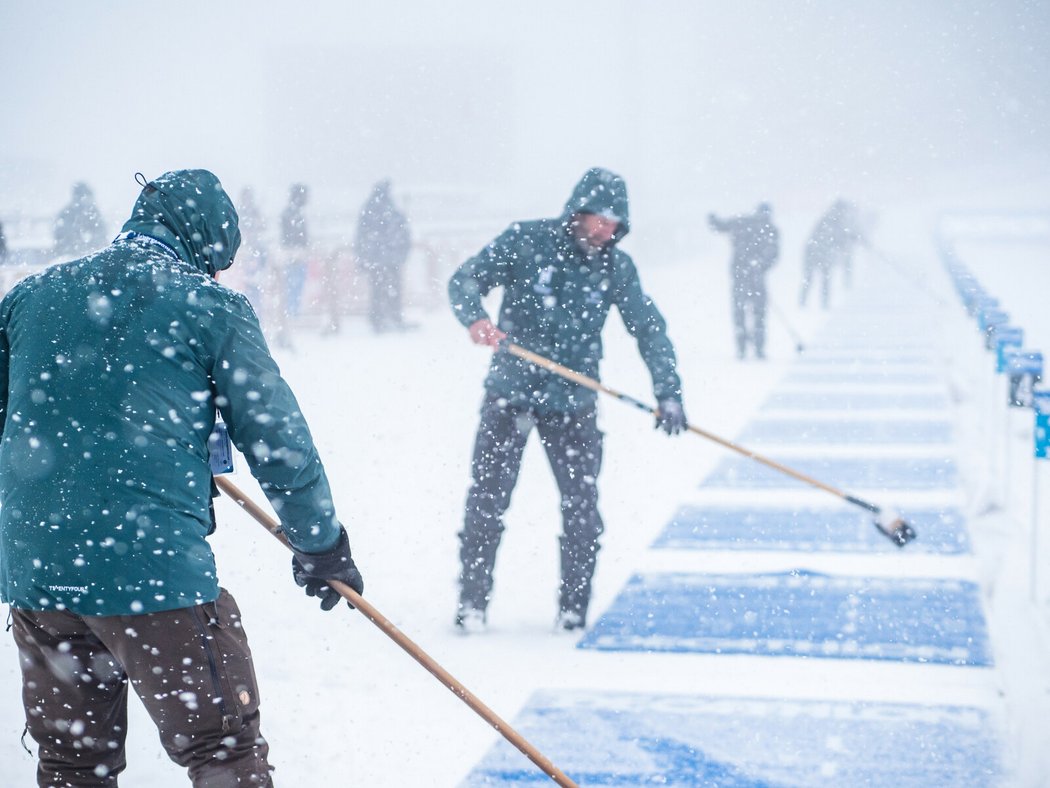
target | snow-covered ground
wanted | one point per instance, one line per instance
(394, 418)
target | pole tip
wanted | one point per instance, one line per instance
(896, 529)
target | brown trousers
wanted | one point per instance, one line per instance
(191, 667)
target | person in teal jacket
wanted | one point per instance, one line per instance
(560, 277)
(112, 368)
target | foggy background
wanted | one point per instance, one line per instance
(490, 112)
(483, 113)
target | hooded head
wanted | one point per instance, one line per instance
(81, 192)
(602, 193)
(189, 211)
(298, 194)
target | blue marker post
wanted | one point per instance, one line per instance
(989, 316)
(1041, 406)
(988, 320)
(1025, 368)
(1005, 337)
(979, 301)
(1006, 340)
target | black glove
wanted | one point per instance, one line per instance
(671, 418)
(312, 571)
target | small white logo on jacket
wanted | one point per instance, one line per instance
(67, 589)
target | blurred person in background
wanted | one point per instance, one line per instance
(830, 244)
(855, 232)
(295, 246)
(253, 258)
(756, 246)
(381, 245)
(79, 228)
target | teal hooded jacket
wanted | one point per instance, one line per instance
(556, 299)
(111, 370)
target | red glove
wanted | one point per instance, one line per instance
(482, 332)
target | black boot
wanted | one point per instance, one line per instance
(577, 570)
(477, 556)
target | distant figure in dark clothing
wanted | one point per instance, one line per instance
(3, 245)
(855, 233)
(756, 245)
(381, 246)
(831, 242)
(79, 228)
(295, 243)
(253, 251)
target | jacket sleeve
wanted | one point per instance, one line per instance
(5, 367)
(717, 224)
(492, 267)
(267, 427)
(645, 323)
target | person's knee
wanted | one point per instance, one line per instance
(486, 505)
(582, 523)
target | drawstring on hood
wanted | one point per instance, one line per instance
(189, 211)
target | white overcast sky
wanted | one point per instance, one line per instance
(699, 104)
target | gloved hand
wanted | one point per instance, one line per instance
(483, 332)
(312, 571)
(671, 418)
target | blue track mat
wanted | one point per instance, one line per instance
(824, 358)
(829, 530)
(858, 400)
(905, 473)
(863, 347)
(683, 740)
(797, 614)
(865, 377)
(846, 431)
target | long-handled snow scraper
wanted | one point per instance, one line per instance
(414, 651)
(799, 347)
(890, 523)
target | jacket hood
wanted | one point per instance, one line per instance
(189, 211)
(603, 193)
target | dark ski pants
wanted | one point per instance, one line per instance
(384, 308)
(573, 444)
(749, 300)
(191, 668)
(816, 267)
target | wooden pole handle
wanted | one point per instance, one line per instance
(594, 385)
(414, 651)
(898, 531)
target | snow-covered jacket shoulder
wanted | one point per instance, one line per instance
(555, 303)
(112, 368)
